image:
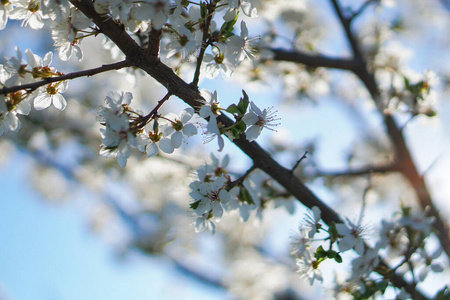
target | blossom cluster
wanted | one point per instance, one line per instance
(407, 233)
(182, 21)
(125, 129)
(17, 72)
(213, 193)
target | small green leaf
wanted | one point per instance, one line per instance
(244, 195)
(338, 258)
(240, 126)
(320, 253)
(228, 27)
(332, 254)
(233, 109)
(443, 294)
(407, 83)
(195, 204)
(332, 231)
(243, 103)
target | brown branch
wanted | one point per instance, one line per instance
(33, 86)
(406, 163)
(190, 95)
(154, 40)
(359, 172)
(313, 60)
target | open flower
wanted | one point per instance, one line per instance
(210, 196)
(241, 46)
(257, 120)
(177, 127)
(51, 94)
(352, 237)
(309, 268)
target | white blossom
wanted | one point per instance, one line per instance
(177, 127)
(352, 237)
(241, 46)
(211, 196)
(29, 11)
(257, 120)
(312, 221)
(308, 268)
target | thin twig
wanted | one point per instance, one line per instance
(33, 86)
(299, 161)
(241, 179)
(141, 122)
(361, 10)
(363, 171)
(205, 37)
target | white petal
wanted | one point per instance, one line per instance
(205, 111)
(186, 115)
(220, 142)
(189, 130)
(255, 108)
(346, 243)
(203, 207)
(244, 30)
(59, 102)
(177, 139)
(244, 212)
(217, 209)
(12, 121)
(224, 196)
(253, 132)
(165, 145)
(48, 59)
(250, 118)
(152, 149)
(42, 101)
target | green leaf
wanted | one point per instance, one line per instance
(332, 254)
(243, 103)
(245, 196)
(407, 83)
(240, 126)
(228, 27)
(443, 294)
(195, 204)
(338, 258)
(233, 109)
(332, 231)
(320, 253)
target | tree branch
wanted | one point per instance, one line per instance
(406, 164)
(190, 95)
(154, 40)
(33, 86)
(312, 60)
(363, 171)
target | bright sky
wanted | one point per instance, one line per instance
(47, 253)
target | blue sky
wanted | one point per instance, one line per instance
(47, 252)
